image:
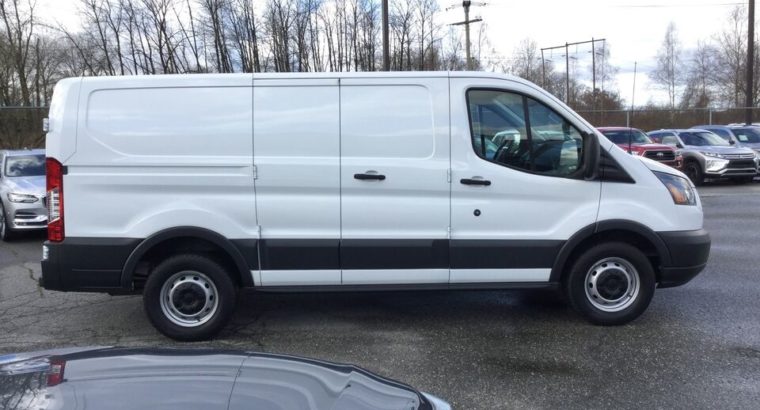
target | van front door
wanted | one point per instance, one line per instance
(394, 187)
(517, 188)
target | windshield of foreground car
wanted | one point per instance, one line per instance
(749, 135)
(25, 166)
(621, 137)
(702, 139)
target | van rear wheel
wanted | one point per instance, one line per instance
(189, 297)
(611, 284)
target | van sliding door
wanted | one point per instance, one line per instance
(394, 187)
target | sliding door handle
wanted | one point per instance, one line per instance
(473, 181)
(369, 177)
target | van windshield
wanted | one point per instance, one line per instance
(702, 139)
(25, 166)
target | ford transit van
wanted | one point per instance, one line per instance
(188, 188)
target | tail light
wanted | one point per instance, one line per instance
(54, 175)
(55, 371)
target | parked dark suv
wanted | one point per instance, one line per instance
(747, 136)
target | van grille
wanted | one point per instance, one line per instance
(660, 155)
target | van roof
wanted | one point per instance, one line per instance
(314, 75)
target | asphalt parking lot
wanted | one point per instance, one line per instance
(697, 346)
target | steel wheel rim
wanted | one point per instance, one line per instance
(612, 284)
(189, 299)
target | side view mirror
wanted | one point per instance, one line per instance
(732, 142)
(678, 145)
(591, 151)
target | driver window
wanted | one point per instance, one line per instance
(544, 143)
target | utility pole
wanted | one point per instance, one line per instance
(567, 75)
(386, 48)
(466, 5)
(543, 70)
(750, 102)
(633, 92)
(593, 75)
(567, 63)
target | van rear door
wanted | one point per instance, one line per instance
(394, 188)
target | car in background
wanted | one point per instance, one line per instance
(706, 155)
(635, 141)
(165, 378)
(22, 191)
(740, 135)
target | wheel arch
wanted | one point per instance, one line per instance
(232, 257)
(631, 232)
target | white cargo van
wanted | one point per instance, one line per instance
(188, 188)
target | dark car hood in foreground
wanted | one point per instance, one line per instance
(100, 378)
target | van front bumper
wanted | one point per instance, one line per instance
(689, 251)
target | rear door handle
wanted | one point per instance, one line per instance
(472, 181)
(369, 177)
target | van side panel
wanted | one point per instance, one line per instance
(296, 131)
(158, 153)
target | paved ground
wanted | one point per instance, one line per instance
(697, 346)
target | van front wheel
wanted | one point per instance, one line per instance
(611, 284)
(189, 297)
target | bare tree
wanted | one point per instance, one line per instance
(731, 57)
(668, 72)
(19, 22)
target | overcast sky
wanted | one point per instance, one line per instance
(633, 29)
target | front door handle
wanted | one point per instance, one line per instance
(369, 177)
(473, 181)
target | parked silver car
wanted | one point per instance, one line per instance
(707, 155)
(22, 191)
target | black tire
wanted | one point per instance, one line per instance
(576, 283)
(190, 265)
(5, 231)
(693, 170)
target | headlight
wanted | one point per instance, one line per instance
(680, 188)
(711, 154)
(25, 198)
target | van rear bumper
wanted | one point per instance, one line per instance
(689, 251)
(86, 264)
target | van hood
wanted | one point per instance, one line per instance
(25, 185)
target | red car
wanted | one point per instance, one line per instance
(634, 141)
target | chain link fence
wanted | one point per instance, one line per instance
(21, 127)
(654, 119)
